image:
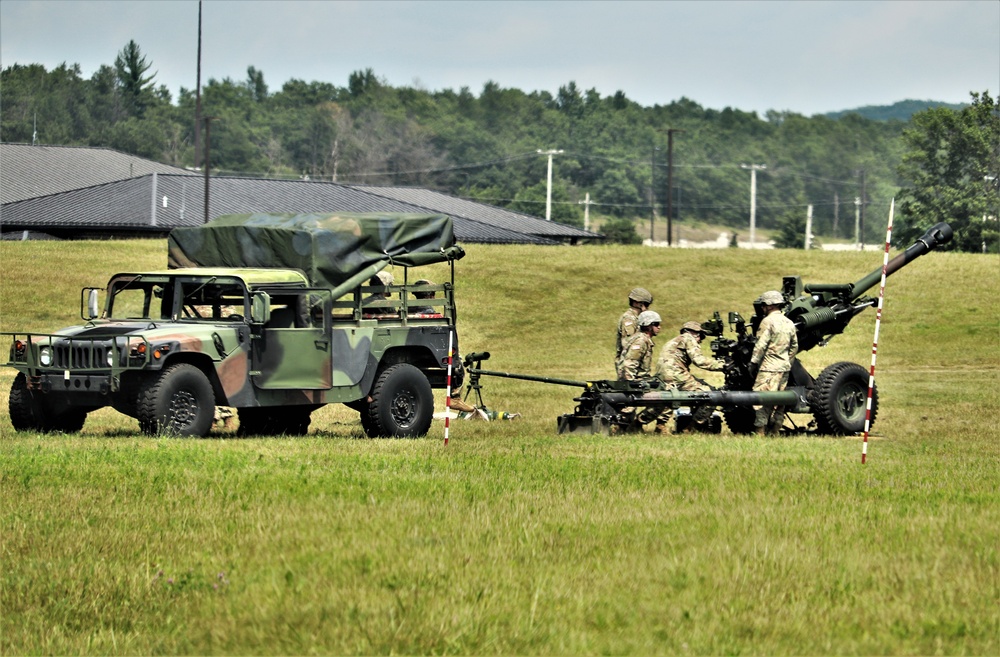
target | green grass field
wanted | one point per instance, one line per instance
(512, 539)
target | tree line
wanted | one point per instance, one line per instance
(491, 146)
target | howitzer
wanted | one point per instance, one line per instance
(836, 398)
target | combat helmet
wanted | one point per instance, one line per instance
(648, 317)
(641, 295)
(772, 298)
(694, 327)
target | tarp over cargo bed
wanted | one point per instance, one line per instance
(331, 249)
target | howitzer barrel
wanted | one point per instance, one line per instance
(933, 238)
(713, 397)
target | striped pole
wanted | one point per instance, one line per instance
(878, 324)
(447, 392)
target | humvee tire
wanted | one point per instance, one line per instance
(29, 412)
(179, 402)
(402, 403)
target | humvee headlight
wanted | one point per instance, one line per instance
(111, 357)
(45, 356)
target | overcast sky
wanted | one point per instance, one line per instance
(808, 57)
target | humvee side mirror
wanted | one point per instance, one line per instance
(92, 309)
(260, 308)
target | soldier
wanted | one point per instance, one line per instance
(423, 294)
(674, 369)
(379, 282)
(636, 362)
(639, 300)
(772, 357)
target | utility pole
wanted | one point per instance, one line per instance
(652, 193)
(864, 201)
(208, 143)
(753, 198)
(670, 184)
(197, 101)
(836, 211)
(809, 227)
(857, 221)
(586, 203)
(548, 191)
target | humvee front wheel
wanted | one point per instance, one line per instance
(29, 412)
(839, 399)
(179, 402)
(402, 403)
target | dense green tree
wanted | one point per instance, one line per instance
(136, 87)
(621, 230)
(953, 167)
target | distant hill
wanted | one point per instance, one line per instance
(901, 111)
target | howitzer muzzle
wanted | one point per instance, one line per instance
(933, 238)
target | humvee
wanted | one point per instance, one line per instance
(273, 315)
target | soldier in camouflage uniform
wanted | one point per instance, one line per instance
(772, 357)
(636, 361)
(674, 369)
(639, 300)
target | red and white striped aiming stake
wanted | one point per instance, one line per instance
(878, 323)
(447, 393)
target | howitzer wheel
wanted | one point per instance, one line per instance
(839, 399)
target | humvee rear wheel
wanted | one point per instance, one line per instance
(29, 411)
(179, 402)
(402, 403)
(839, 399)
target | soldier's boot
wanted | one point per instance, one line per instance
(776, 423)
(760, 421)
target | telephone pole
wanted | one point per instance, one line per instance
(586, 203)
(197, 99)
(670, 184)
(208, 147)
(753, 198)
(652, 193)
(548, 191)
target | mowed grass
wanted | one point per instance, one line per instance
(512, 539)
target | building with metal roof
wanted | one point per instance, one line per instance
(74, 193)
(499, 217)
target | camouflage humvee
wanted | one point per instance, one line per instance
(274, 315)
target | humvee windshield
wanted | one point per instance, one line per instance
(159, 297)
